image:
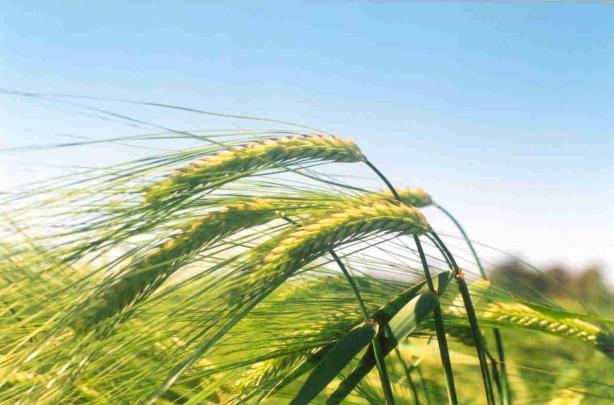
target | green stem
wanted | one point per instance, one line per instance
(440, 331)
(495, 376)
(384, 179)
(437, 314)
(467, 240)
(377, 347)
(503, 387)
(412, 386)
(471, 316)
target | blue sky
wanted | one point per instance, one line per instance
(504, 112)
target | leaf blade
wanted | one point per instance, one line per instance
(334, 361)
(400, 326)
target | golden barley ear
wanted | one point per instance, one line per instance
(231, 164)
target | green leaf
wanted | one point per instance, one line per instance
(385, 313)
(381, 316)
(401, 326)
(298, 371)
(442, 281)
(334, 361)
(408, 318)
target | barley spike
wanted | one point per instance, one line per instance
(231, 164)
(147, 273)
(287, 252)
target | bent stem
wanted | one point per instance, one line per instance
(495, 373)
(437, 314)
(471, 316)
(440, 331)
(503, 385)
(377, 348)
(384, 179)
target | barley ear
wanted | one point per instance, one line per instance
(146, 274)
(294, 248)
(220, 168)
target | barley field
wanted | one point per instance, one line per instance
(249, 269)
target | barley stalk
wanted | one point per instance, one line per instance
(437, 314)
(231, 164)
(504, 390)
(471, 315)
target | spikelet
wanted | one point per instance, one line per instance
(145, 274)
(231, 164)
(287, 252)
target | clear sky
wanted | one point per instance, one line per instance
(504, 111)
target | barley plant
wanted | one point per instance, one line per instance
(246, 270)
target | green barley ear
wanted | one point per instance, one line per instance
(145, 274)
(287, 252)
(555, 322)
(498, 308)
(325, 232)
(232, 164)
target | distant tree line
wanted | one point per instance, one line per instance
(555, 282)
